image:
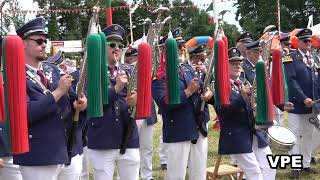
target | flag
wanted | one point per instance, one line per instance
(210, 7)
(211, 20)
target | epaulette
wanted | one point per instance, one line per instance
(287, 58)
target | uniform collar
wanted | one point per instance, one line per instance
(303, 54)
(232, 81)
(34, 70)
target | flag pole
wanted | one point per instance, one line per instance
(279, 16)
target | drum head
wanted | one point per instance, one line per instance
(282, 134)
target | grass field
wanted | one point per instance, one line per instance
(213, 139)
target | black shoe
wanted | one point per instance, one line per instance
(295, 174)
(163, 166)
(308, 170)
(313, 160)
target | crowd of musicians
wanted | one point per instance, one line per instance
(51, 102)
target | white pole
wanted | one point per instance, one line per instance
(279, 15)
(130, 18)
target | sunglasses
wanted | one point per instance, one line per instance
(306, 40)
(115, 45)
(180, 46)
(236, 63)
(39, 41)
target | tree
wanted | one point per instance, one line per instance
(17, 18)
(70, 26)
(254, 15)
(232, 33)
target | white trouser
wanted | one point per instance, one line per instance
(249, 164)
(278, 115)
(146, 148)
(183, 154)
(163, 148)
(261, 156)
(10, 171)
(303, 130)
(315, 141)
(103, 162)
(85, 164)
(41, 172)
(73, 171)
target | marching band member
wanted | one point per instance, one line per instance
(183, 56)
(68, 67)
(244, 38)
(131, 56)
(303, 88)
(186, 145)
(315, 45)
(285, 43)
(145, 128)
(198, 58)
(253, 55)
(105, 134)
(238, 137)
(8, 170)
(45, 88)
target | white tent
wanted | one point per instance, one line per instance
(315, 28)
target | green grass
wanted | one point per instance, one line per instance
(213, 139)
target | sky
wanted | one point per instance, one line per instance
(226, 5)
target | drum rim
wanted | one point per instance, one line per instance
(269, 135)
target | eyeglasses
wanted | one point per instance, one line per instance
(236, 63)
(39, 41)
(114, 45)
(306, 40)
(180, 46)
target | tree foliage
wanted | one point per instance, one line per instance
(254, 15)
(65, 26)
(18, 19)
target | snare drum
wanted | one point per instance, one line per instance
(281, 138)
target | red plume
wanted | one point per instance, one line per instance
(2, 113)
(162, 66)
(277, 78)
(15, 93)
(144, 81)
(223, 77)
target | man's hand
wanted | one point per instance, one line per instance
(207, 95)
(64, 84)
(245, 92)
(121, 81)
(288, 106)
(308, 102)
(81, 103)
(193, 87)
(132, 99)
(201, 67)
(63, 87)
